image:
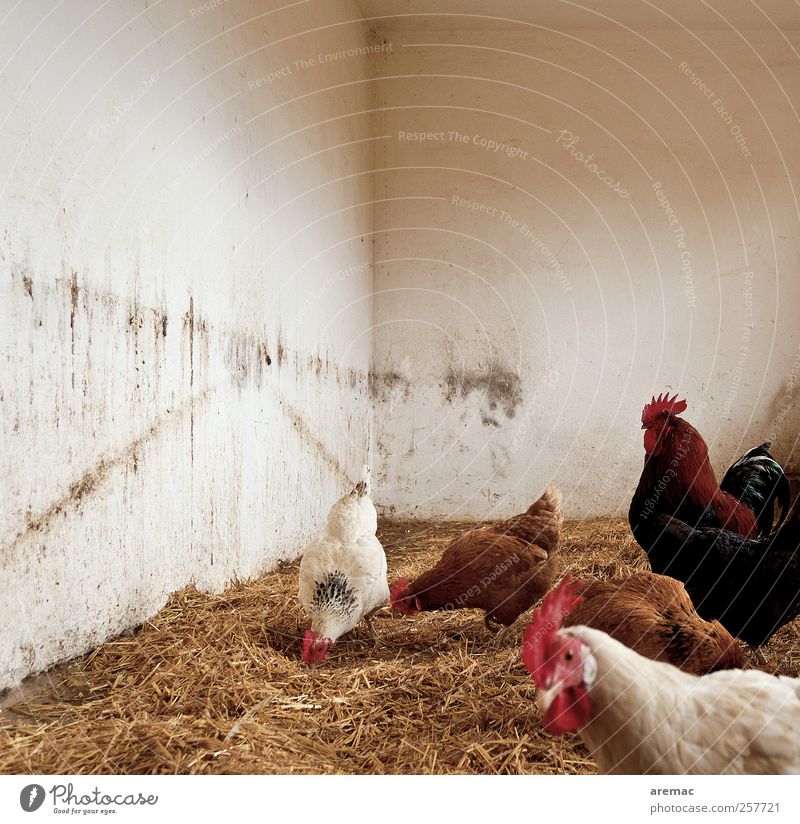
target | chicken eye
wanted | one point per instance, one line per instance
(569, 655)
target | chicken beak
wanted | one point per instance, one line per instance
(545, 697)
(644, 426)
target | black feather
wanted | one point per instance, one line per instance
(759, 482)
(334, 594)
(751, 585)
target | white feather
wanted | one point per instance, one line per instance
(650, 717)
(350, 552)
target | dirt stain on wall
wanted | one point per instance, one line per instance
(281, 350)
(310, 438)
(74, 290)
(160, 324)
(500, 386)
(385, 386)
(94, 477)
(248, 358)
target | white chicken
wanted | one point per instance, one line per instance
(343, 573)
(639, 716)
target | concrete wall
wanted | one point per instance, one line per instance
(189, 310)
(185, 295)
(572, 214)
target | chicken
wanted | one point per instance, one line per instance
(757, 479)
(343, 573)
(751, 585)
(654, 615)
(678, 478)
(638, 716)
(502, 569)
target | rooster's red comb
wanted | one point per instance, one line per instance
(663, 403)
(547, 622)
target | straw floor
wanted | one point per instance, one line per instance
(215, 684)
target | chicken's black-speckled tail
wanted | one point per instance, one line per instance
(758, 481)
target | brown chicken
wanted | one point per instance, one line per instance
(654, 615)
(503, 569)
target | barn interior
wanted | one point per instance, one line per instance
(250, 245)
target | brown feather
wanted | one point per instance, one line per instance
(681, 475)
(503, 569)
(654, 615)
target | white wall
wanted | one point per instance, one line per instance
(189, 311)
(185, 290)
(525, 310)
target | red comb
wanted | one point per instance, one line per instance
(398, 590)
(663, 403)
(308, 640)
(546, 623)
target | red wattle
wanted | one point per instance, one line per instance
(652, 443)
(568, 711)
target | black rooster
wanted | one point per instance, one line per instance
(758, 481)
(751, 585)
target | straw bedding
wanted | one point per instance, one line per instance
(215, 684)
